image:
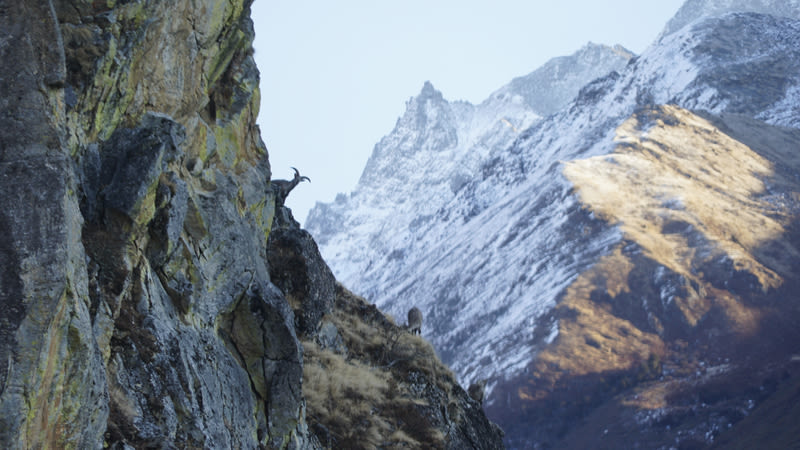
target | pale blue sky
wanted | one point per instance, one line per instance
(335, 75)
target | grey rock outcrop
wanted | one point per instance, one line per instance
(43, 282)
(298, 269)
(136, 296)
(152, 294)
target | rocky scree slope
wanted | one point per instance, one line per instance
(151, 295)
(624, 269)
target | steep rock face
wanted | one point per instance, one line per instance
(297, 268)
(146, 302)
(44, 285)
(593, 272)
(151, 141)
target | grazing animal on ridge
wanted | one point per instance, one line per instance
(283, 187)
(414, 320)
(476, 391)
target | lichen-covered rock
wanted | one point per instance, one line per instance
(122, 261)
(260, 332)
(298, 269)
(52, 387)
(146, 301)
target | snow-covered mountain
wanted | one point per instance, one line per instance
(549, 88)
(694, 10)
(436, 147)
(569, 258)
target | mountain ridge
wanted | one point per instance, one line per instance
(693, 10)
(493, 124)
(514, 268)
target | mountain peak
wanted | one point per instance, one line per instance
(428, 89)
(550, 87)
(617, 48)
(428, 92)
(694, 10)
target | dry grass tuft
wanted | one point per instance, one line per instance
(123, 412)
(375, 339)
(345, 396)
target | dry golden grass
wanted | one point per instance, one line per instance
(742, 319)
(345, 396)
(673, 171)
(401, 436)
(376, 339)
(591, 339)
(364, 398)
(676, 169)
(682, 169)
(653, 396)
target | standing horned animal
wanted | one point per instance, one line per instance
(476, 391)
(283, 187)
(415, 320)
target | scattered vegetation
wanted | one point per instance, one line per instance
(382, 389)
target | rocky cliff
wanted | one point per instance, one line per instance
(152, 293)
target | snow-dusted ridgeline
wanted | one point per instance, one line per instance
(458, 214)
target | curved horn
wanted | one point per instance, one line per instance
(305, 178)
(296, 172)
